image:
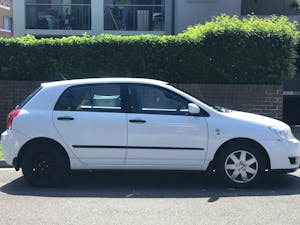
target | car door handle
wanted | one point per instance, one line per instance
(137, 121)
(65, 118)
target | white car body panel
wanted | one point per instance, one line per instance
(236, 124)
(164, 132)
(94, 129)
(38, 120)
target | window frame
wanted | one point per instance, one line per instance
(7, 20)
(158, 112)
(121, 30)
(123, 100)
(124, 89)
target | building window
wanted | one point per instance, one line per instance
(58, 14)
(134, 15)
(7, 23)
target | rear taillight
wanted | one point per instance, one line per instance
(11, 117)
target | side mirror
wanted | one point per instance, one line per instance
(193, 109)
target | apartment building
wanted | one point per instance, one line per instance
(124, 17)
(129, 17)
(6, 18)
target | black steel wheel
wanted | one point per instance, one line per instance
(44, 165)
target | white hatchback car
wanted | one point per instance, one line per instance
(129, 123)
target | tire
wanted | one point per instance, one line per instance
(241, 165)
(44, 165)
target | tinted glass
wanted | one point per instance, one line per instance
(151, 99)
(104, 97)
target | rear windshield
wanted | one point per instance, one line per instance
(20, 106)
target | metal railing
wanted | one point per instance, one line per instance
(58, 16)
(131, 17)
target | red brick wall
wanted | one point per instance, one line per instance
(261, 99)
(13, 93)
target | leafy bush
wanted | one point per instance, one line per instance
(225, 50)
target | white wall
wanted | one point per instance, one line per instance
(190, 12)
(97, 25)
(18, 18)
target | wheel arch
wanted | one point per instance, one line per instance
(40, 140)
(240, 140)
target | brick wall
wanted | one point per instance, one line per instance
(261, 99)
(7, 3)
(13, 93)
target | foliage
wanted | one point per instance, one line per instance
(225, 50)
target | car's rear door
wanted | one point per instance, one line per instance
(91, 121)
(161, 133)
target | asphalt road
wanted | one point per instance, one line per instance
(138, 197)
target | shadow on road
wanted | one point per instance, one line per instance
(152, 184)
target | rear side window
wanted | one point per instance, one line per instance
(29, 97)
(104, 97)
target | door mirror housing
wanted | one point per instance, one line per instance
(194, 109)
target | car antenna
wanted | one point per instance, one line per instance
(63, 77)
(60, 74)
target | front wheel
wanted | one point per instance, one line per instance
(44, 165)
(241, 165)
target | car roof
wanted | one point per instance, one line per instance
(103, 80)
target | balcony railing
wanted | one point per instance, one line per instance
(130, 17)
(58, 16)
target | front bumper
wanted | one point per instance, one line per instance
(283, 154)
(12, 141)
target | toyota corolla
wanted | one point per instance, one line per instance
(133, 124)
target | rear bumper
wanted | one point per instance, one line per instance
(12, 141)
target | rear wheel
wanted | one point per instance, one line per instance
(44, 165)
(241, 165)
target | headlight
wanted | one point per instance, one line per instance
(283, 132)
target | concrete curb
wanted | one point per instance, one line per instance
(3, 164)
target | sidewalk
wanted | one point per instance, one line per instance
(296, 132)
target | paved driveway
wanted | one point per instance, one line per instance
(137, 198)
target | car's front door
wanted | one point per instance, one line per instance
(91, 121)
(161, 133)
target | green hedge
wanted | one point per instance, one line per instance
(225, 50)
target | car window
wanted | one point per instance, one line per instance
(104, 97)
(155, 100)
